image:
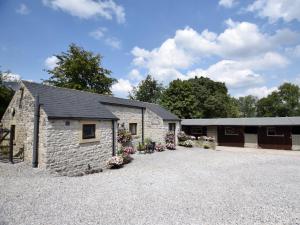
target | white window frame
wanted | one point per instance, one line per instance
(273, 135)
(230, 134)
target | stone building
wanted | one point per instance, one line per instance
(70, 131)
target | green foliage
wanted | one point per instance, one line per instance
(80, 69)
(247, 106)
(284, 102)
(148, 90)
(199, 98)
(6, 95)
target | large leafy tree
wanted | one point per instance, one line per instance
(284, 102)
(199, 98)
(82, 70)
(6, 95)
(148, 90)
(247, 106)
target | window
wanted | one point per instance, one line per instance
(21, 98)
(230, 131)
(272, 131)
(13, 131)
(172, 127)
(88, 131)
(133, 128)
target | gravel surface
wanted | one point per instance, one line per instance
(186, 186)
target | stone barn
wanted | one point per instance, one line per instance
(70, 131)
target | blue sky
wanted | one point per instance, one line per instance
(252, 46)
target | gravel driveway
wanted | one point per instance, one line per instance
(186, 186)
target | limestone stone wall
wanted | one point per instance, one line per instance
(67, 155)
(156, 128)
(20, 113)
(128, 115)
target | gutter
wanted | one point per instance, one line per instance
(143, 125)
(113, 138)
(36, 132)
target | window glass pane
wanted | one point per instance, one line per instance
(230, 131)
(133, 128)
(88, 131)
(172, 127)
(271, 131)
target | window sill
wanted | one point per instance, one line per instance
(85, 141)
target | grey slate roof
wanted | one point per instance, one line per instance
(68, 103)
(14, 85)
(255, 121)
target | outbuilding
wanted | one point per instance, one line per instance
(258, 132)
(70, 131)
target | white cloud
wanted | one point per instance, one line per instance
(227, 3)
(51, 62)
(87, 9)
(98, 33)
(294, 51)
(8, 76)
(113, 42)
(135, 75)
(23, 9)
(101, 34)
(259, 92)
(274, 10)
(122, 88)
(242, 49)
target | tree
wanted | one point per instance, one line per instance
(80, 69)
(148, 90)
(6, 95)
(284, 102)
(247, 106)
(199, 98)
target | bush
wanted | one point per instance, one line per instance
(159, 147)
(124, 136)
(115, 162)
(206, 146)
(141, 147)
(170, 146)
(128, 150)
(182, 136)
(148, 141)
(188, 143)
(126, 158)
(170, 137)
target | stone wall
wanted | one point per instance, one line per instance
(67, 155)
(128, 115)
(20, 113)
(156, 128)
